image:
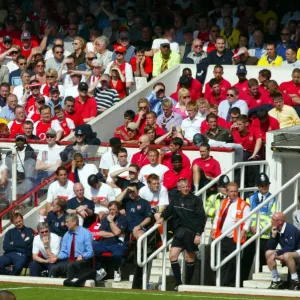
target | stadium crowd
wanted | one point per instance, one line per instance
(63, 64)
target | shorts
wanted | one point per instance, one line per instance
(184, 238)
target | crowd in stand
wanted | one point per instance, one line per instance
(62, 65)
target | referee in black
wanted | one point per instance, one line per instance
(189, 220)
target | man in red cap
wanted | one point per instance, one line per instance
(120, 63)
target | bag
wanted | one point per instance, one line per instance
(95, 230)
(80, 280)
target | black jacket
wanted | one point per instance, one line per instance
(186, 211)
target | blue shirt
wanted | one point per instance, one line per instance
(174, 120)
(7, 113)
(51, 104)
(57, 224)
(258, 52)
(15, 78)
(281, 48)
(155, 103)
(83, 244)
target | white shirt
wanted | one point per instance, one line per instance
(108, 159)
(146, 170)
(19, 92)
(72, 91)
(54, 245)
(104, 194)
(224, 108)
(173, 45)
(158, 198)
(128, 71)
(231, 218)
(20, 160)
(54, 125)
(191, 127)
(50, 155)
(12, 66)
(117, 168)
(85, 172)
(65, 192)
(295, 64)
(49, 54)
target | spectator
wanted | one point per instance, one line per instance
(17, 246)
(284, 114)
(61, 189)
(181, 106)
(210, 45)
(216, 132)
(72, 259)
(227, 12)
(19, 90)
(56, 218)
(120, 63)
(113, 229)
(72, 31)
(265, 13)
(42, 126)
(4, 92)
(56, 42)
(164, 59)
(51, 76)
(66, 124)
(141, 64)
(81, 206)
(285, 41)
(69, 111)
(33, 107)
(101, 194)
(124, 41)
(101, 44)
(78, 47)
(121, 132)
(273, 87)
(7, 111)
(197, 54)
(75, 79)
(264, 76)
(229, 33)
(9, 58)
(232, 101)
(16, 126)
(54, 99)
(39, 70)
(15, 76)
(112, 30)
(141, 158)
(203, 107)
(28, 44)
(271, 59)
(28, 129)
(117, 82)
(45, 245)
(87, 65)
(203, 32)
(56, 61)
(291, 57)
(151, 119)
(220, 56)
(84, 104)
(191, 125)
(105, 96)
(65, 70)
(244, 58)
(168, 119)
(80, 170)
(242, 84)
(11, 28)
(259, 48)
(186, 48)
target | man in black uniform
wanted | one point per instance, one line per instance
(189, 221)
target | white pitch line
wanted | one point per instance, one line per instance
(17, 288)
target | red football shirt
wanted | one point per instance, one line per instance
(224, 86)
(203, 36)
(171, 178)
(75, 117)
(210, 166)
(148, 65)
(88, 109)
(263, 128)
(166, 160)
(289, 87)
(260, 99)
(248, 140)
(140, 159)
(15, 128)
(243, 88)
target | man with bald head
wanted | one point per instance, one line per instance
(288, 237)
(141, 158)
(244, 57)
(7, 295)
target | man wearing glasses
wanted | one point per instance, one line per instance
(87, 66)
(197, 53)
(69, 39)
(46, 243)
(71, 113)
(15, 76)
(232, 101)
(285, 41)
(57, 60)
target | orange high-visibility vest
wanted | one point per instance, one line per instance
(239, 215)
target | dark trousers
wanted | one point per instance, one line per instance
(248, 256)
(66, 269)
(251, 172)
(118, 252)
(36, 268)
(18, 260)
(228, 270)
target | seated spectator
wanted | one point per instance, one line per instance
(191, 125)
(109, 158)
(4, 131)
(32, 94)
(124, 66)
(26, 165)
(221, 55)
(46, 123)
(291, 57)
(78, 47)
(101, 194)
(203, 107)
(113, 230)
(142, 65)
(216, 95)
(214, 33)
(205, 168)
(156, 97)
(11, 29)
(181, 106)
(216, 132)
(72, 259)
(80, 170)
(271, 59)
(284, 114)
(213, 109)
(242, 84)
(197, 54)
(229, 33)
(4, 92)
(141, 158)
(16, 126)
(55, 61)
(118, 82)
(62, 188)
(124, 41)
(15, 76)
(227, 11)
(259, 48)
(81, 206)
(164, 59)
(66, 124)
(85, 104)
(65, 70)
(121, 132)
(272, 87)
(133, 134)
(272, 34)
(244, 58)
(143, 108)
(19, 90)
(232, 101)
(87, 66)
(224, 84)
(7, 111)
(202, 32)
(51, 78)
(17, 247)
(105, 96)
(45, 245)
(101, 44)
(196, 86)
(56, 218)
(150, 132)
(151, 119)
(73, 89)
(54, 99)
(153, 167)
(168, 119)
(71, 113)
(285, 42)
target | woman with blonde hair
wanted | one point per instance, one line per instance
(79, 54)
(101, 44)
(51, 81)
(183, 98)
(39, 69)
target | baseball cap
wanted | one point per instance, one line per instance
(7, 39)
(53, 89)
(115, 142)
(124, 35)
(176, 157)
(20, 137)
(199, 139)
(51, 131)
(132, 126)
(223, 181)
(82, 86)
(78, 131)
(241, 69)
(120, 48)
(25, 35)
(164, 42)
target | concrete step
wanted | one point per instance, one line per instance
(159, 271)
(267, 276)
(127, 285)
(158, 263)
(256, 284)
(157, 278)
(281, 270)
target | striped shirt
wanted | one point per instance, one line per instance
(106, 98)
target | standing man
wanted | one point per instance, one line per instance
(231, 210)
(189, 221)
(76, 250)
(288, 237)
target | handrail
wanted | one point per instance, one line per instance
(240, 247)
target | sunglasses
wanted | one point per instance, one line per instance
(119, 53)
(50, 136)
(35, 88)
(230, 95)
(165, 47)
(198, 46)
(161, 91)
(22, 64)
(45, 231)
(14, 52)
(80, 135)
(91, 58)
(59, 52)
(50, 76)
(96, 67)
(7, 42)
(285, 34)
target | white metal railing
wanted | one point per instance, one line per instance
(239, 247)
